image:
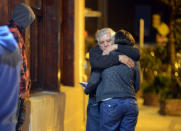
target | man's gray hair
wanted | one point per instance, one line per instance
(104, 31)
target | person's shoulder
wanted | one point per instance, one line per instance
(95, 48)
(125, 45)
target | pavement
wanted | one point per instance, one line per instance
(149, 119)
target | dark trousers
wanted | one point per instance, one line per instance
(118, 114)
(93, 115)
(20, 114)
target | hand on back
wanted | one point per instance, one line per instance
(126, 60)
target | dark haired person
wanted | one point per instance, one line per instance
(116, 92)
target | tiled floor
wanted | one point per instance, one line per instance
(150, 120)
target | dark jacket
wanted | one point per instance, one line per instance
(118, 81)
(99, 62)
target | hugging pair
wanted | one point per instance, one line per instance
(114, 80)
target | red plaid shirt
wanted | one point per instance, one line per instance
(25, 74)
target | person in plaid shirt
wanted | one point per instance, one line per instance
(25, 76)
(21, 18)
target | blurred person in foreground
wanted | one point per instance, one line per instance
(100, 59)
(10, 62)
(22, 17)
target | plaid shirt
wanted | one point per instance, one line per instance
(25, 74)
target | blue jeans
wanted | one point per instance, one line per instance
(93, 115)
(118, 114)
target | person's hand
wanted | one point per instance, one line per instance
(24, 94)
(109, 49)
(126, 60)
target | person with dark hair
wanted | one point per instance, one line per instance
(10, 62)
(100, 59)
(116, 92)
(22, 17)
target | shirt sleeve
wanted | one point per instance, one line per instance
(93, 82)
(129, 51)
(99, 61)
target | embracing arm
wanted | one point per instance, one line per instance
(131, 52)
(127, 50)
(93, 82)
(99, 61)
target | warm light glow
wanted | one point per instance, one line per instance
(155, 73)
(176, 74)
(152, 53)
(177, 65)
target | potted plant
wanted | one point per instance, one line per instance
(150, 94)
(153, 89)
(150, 65)
(169, 104)
(170, 96)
